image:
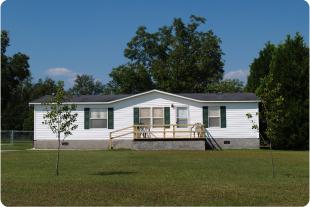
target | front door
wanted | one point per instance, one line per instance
(182, 117)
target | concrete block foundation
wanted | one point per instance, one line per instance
(152, 144)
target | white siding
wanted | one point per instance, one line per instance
(238, 126)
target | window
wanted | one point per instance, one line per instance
(152, 116)
(158, 117)
(145, 116)
(214, 116)
(182, 117)
(98, 118)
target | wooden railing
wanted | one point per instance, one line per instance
(171, 131)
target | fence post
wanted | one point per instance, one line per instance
(174, 131)
(12, 137)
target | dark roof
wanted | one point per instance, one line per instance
(221, 96)
(86, 98)
(197, 96)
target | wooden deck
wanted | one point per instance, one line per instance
(171, 132)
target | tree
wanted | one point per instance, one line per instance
(15, 77)
(260, 67)
(225, 86)
(285, 95)
(86, 85)
(130, 78)
(42, 88)
(34, 91)
(176, 58)
(59, 117)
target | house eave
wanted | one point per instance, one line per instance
(158, 91)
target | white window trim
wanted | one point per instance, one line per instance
(214, 117)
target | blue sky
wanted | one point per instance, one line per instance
(66, 37)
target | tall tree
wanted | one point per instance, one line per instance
(86, 85)
(15, 75)
(260, 67)
(130, 78)
(176, 58)
(285, 94)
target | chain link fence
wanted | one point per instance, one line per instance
(16, 139)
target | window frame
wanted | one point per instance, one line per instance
(219, 110)
(163, 117)
(151, 115)
(90, 118)
(187, 116)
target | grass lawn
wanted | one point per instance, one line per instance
(17, 145)
(230, 177)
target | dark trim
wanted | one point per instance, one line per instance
(86, 118)
(110, 118)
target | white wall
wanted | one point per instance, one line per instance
(237, 125)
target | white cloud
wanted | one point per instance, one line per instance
(64, 74)
(237, 74)
(60, 72)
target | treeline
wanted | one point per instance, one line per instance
(181, 58)
(280, 77)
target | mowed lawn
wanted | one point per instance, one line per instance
(230, 177)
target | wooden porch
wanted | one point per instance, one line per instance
(166, 132)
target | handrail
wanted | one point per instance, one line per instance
(142, 131)
(122, 129)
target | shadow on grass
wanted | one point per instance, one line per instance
(103, 173)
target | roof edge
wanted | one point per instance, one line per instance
(151, 91)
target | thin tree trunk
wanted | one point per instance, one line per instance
(57, 164)
(270, 149)
(270, 152)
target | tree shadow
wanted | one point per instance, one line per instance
(103, 173)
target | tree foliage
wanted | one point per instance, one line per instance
(34, 91)
(59, 117)
(130, 78)
(285, 95)
(225, 86)
(86, 85)
(176, 58)
(15, 78)
(260, 67)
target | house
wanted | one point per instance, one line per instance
(155, 120)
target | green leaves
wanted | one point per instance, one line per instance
(284, 93)
(176, 58)
(260, 67)
(86, 85)
(59, 116)
(15, 82)
(225, 86)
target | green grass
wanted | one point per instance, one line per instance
(234, 177)
(20, 145)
